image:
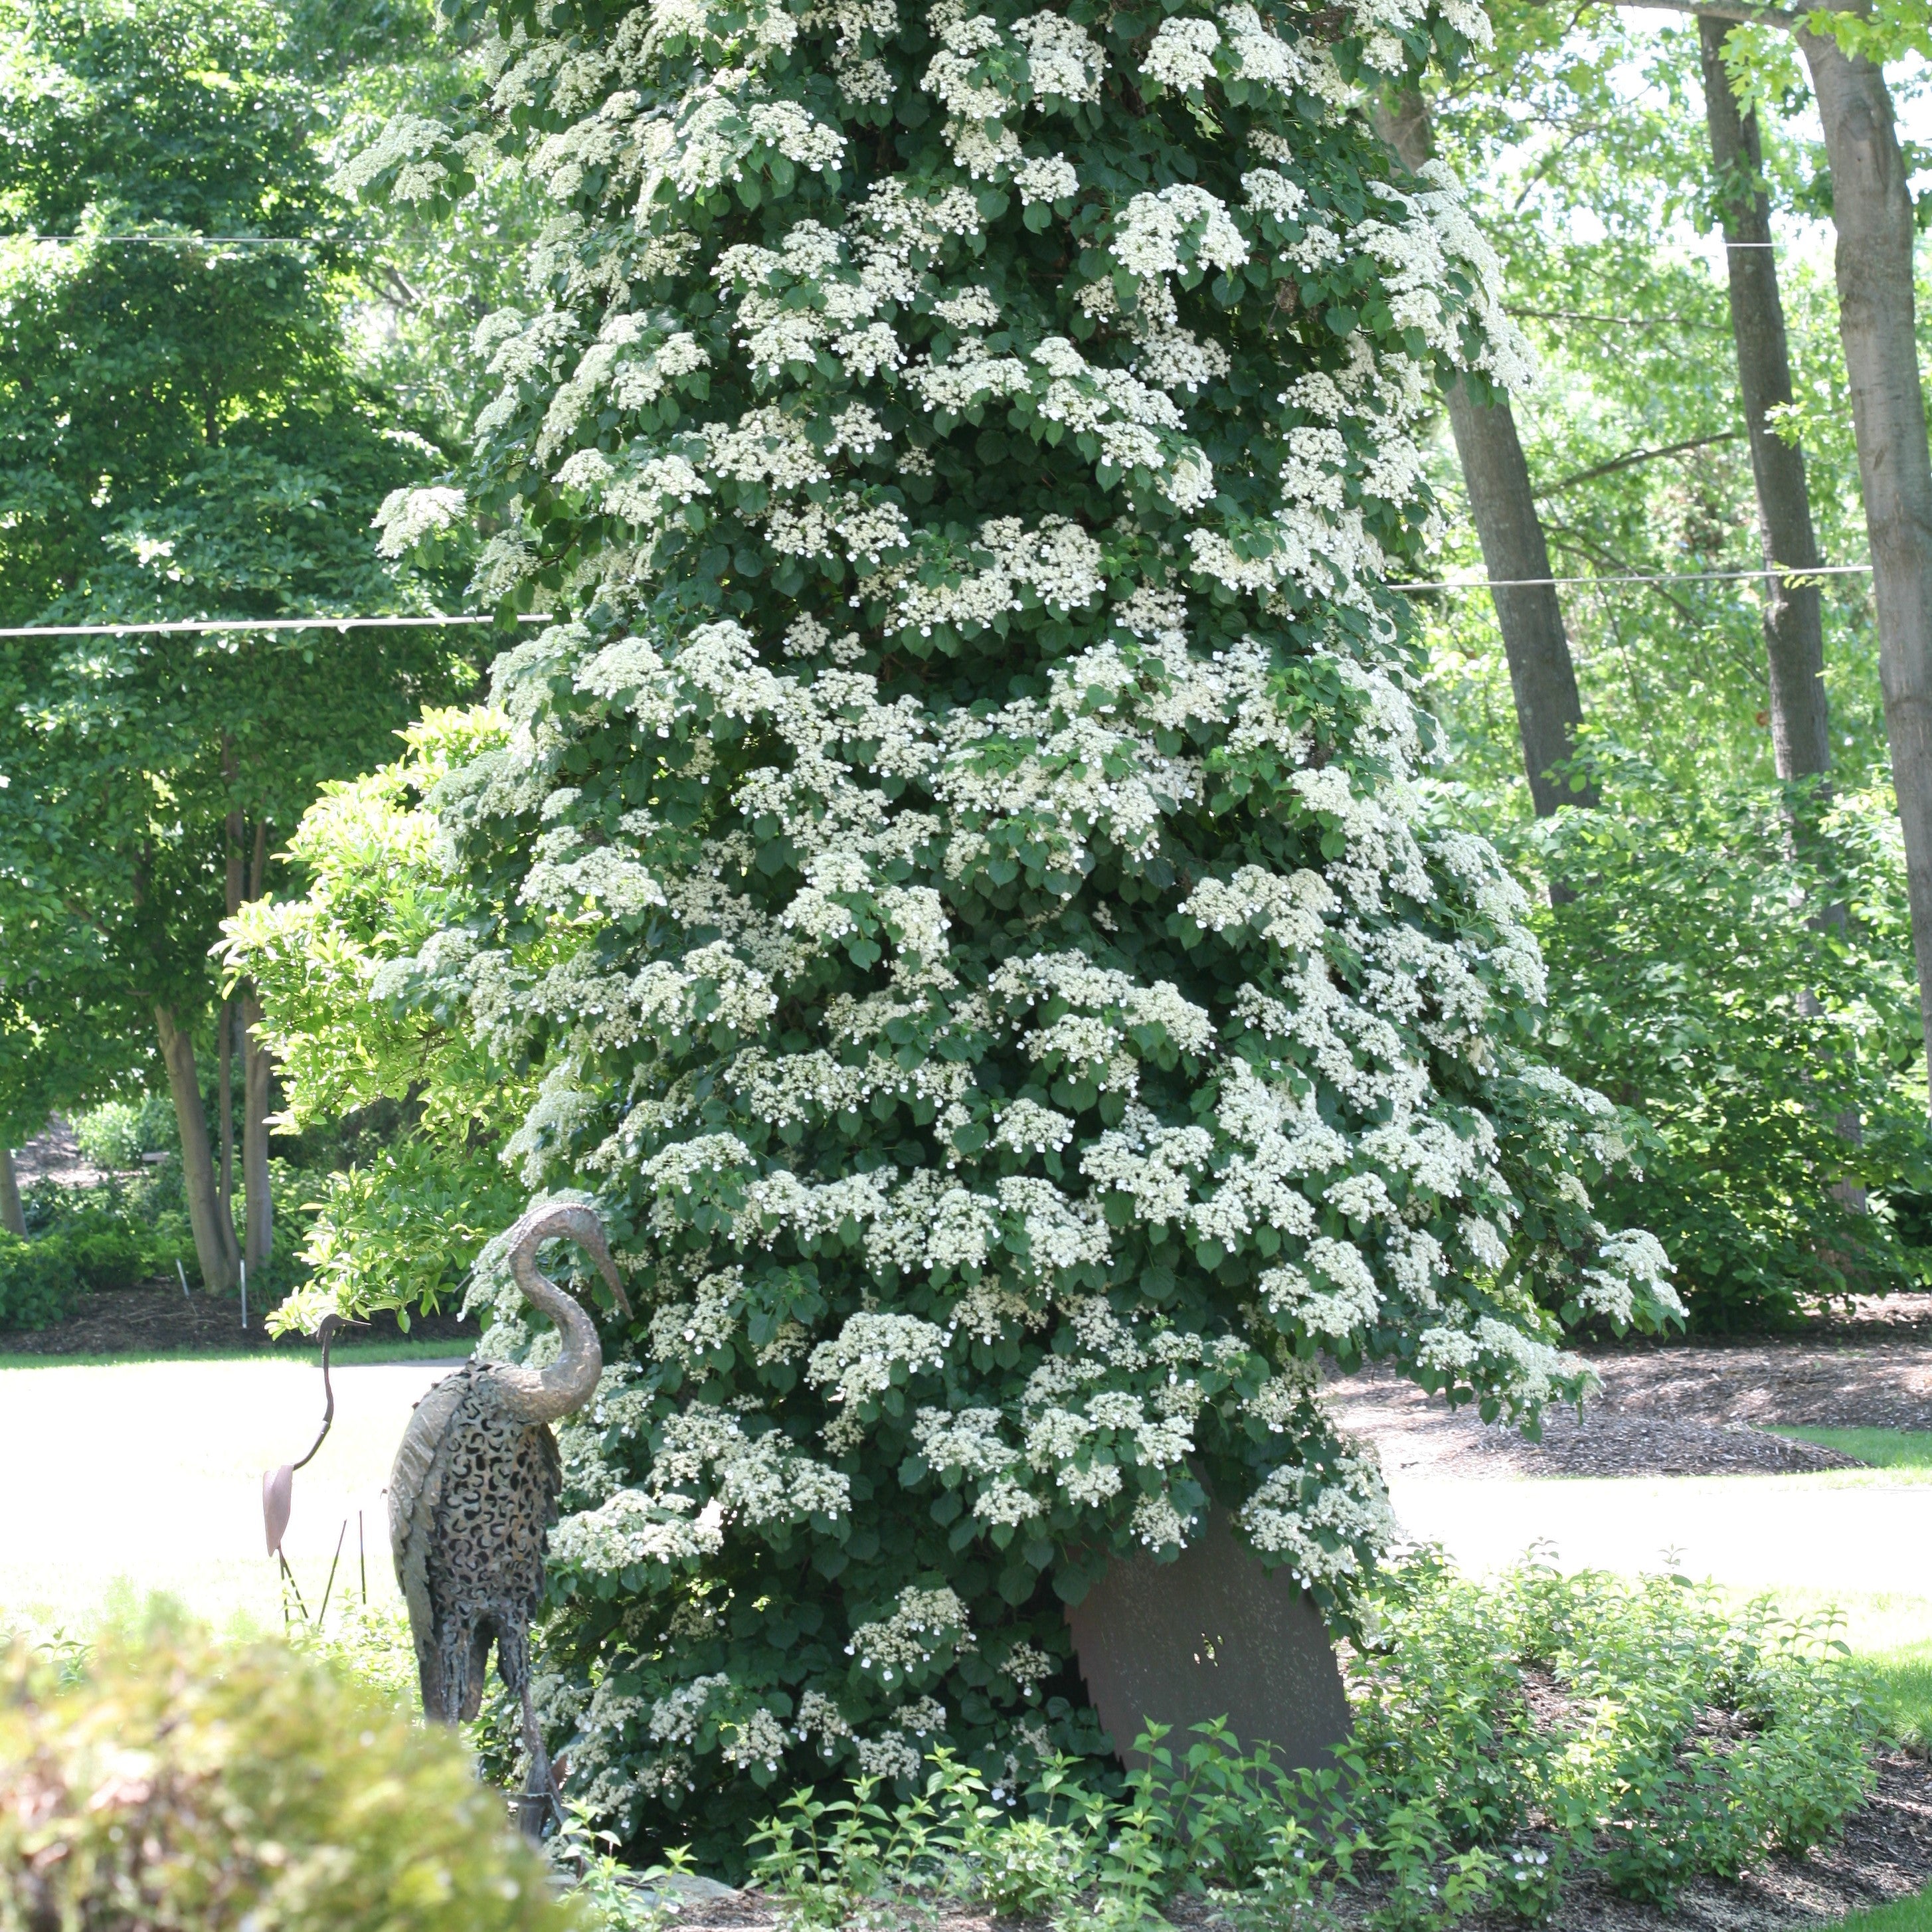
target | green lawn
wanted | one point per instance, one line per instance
(1903, 1915)
(392, 1350)
(1882, 1448)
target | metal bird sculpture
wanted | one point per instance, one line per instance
(278, 1485)
(474, 1491)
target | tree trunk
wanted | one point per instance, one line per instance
(256, 1068)
(11, 1218)
(224, 1074)
(1542, 677)
(1794, 637)
(1872, 210)
(215, 1246)
(234, 831)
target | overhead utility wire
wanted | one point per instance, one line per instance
(199, 624)
(210, 241)
(202, 624)
(1790, 574)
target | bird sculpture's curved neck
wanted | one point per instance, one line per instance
(543, 1395)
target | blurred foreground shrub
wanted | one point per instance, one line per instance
(171, 1785)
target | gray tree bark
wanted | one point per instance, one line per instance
(1543, 678)
(258, 1236)
(1794, 635)
(215, 1246)
(1872, 210)
(11, 1218)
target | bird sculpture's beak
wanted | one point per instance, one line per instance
(599, 1252)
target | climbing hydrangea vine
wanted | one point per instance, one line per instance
(957, 857)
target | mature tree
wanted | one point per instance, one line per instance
(1794, 633)
(1502, 504)
(182, 435)
(1843, 49)
(954, 866)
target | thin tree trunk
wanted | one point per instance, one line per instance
(257, 1070)
(224, 1036)
(1543, 679)
(1794, 637)
(234, 830)
(11, 1218)
(1872, 210)
(215, 1246)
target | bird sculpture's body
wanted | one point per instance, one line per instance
(474, 1491)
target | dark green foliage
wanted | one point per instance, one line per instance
(1755, 1004)
(184, 434)
(1508, 1740)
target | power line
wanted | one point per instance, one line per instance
(1789, 573)
(201, 625)
(204, 241)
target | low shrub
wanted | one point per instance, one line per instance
(116, 1134)
(1507, 1739)
(38, 1284)
(81, 1247)
(169, 1783)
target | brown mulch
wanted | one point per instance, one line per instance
(1885, 1853)
(157, 1319)
(1678, 1408)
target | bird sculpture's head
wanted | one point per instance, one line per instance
(578, 1224)
(543, 1395)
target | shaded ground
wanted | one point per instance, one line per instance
(55, 1156)
(1678, 1410)
(1885, 1854)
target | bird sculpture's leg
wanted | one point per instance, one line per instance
(462, 1648)
(539, 1788)
(540, 1792)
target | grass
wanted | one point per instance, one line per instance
(395, 1351)
(1902, 1915)
(1881, 1448)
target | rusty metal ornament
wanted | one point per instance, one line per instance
(474, 1491)
(278, 1485)
(1212, 1634)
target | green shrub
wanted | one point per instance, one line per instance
(38, 1285)
(1507, 1738)
(1694, 979)
(176, 1785)
(81, 1245)
(117, 1133)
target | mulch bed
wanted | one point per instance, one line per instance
(158, 1319)
(1678, 1408)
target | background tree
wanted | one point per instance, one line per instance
(1516, 557)
(1800, 722)
(185, 435)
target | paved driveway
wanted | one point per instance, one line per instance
(1857, 1533)
(150, 1473)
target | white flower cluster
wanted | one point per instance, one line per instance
(924, 1625)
